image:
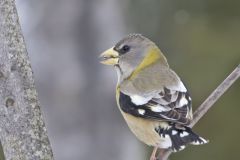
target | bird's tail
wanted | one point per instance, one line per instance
(181, 136)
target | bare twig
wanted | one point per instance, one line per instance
(207, 104)
(216, 94)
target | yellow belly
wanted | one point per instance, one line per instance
(145, 130)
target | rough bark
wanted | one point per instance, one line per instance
(22, 130)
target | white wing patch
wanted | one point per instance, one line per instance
(184, 133)
(139, 100)
(159, 108)
(171, 103)
(183, 101)
(174, 132)
(141, 111)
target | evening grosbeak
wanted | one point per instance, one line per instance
(151, 97)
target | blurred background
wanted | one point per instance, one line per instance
(77, 93)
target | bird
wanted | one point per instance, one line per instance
(151, 97)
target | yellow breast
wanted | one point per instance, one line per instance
(143, 129)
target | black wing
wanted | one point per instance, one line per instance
(168, 105)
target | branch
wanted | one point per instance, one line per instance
(207, 104)
(23, 133)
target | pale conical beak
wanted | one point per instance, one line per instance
(109, 57)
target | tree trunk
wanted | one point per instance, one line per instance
(22, 130)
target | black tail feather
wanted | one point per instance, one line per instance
(181, 136)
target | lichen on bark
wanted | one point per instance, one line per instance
(23, 132)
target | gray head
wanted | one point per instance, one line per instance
(128, 53)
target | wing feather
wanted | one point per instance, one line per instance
(168, 105)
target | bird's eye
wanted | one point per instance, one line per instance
(124, 49)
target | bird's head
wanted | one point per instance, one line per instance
(133, 53)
